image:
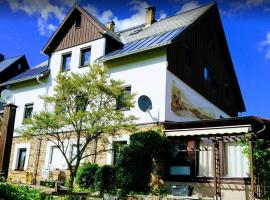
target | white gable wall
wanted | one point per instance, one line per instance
(146, 76)
(193, 97)
(97, 50)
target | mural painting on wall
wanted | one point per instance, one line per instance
(181, 107)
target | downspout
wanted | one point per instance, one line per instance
(39, 139)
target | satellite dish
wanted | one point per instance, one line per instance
(6, 95)
(145, 103)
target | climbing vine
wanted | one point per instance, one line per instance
(261, 157)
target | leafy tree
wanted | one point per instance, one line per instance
(81, 111)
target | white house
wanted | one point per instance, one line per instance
(181, 64)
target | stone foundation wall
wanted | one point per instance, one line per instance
(27, 175)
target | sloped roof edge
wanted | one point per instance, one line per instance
(98, 24)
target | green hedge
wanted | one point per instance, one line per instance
(15, 192)
(85, 176)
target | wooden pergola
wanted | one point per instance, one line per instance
(220, 131)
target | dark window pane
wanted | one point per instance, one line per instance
(66, 62)
(121, 99)
(208, 75)
(188, 56)
(21, 159)
(117, 146)
(28, 111)
(78, 21)
(86, 56)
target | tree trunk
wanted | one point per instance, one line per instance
(71, 180)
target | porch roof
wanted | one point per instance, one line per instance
(218, 127)
(209, 131)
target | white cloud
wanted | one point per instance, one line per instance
(47, 11)
(137, 7)
(162, 15)
(104, 17)
(188, 6)
(235, 7)
(44, 27)
(43, 9)
(136, 19)
(265, 46)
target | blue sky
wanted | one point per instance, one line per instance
(25, 27)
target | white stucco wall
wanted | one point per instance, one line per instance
(27, 93)
(30, 91)
(146, 76)
(193, 97)
(97, 50)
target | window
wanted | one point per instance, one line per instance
(117, 146)
(191, 158)
(21, 159)
(57, 159)
(208, 75)
(187, 55)
(21, 156)
(66, 62)
(28, 111)
(78, 21)
(227, 89)
(85, 57)
(236, 163)
(74, 153)
(182, 158)
(121, 104)
(81, 103)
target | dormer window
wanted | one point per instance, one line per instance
(66, 62)
(78, 21)
(85, 57)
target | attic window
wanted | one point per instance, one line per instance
(208, 75)
(78, 21)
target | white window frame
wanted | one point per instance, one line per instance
(118, 138)
(17, 152)
(50, 145)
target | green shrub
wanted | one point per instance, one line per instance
(16, 192)
(134, 168)
(135, 163)
(85, 177)
(105, 179)
(152, 142)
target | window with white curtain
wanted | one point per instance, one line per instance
(57, 160)
(205, 158)
(236, 163)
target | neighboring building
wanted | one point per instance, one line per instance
(10, 67)
(182, 63)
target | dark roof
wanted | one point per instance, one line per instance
(180, 20)
(160, 33)
(7, 62)
(28, 75)
(144, 44)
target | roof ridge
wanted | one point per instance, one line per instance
(137, 26)
(202, 6)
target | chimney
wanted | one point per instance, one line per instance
(150, 15)
(110, 25)
(2, 57)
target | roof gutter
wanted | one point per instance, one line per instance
(23, 79)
